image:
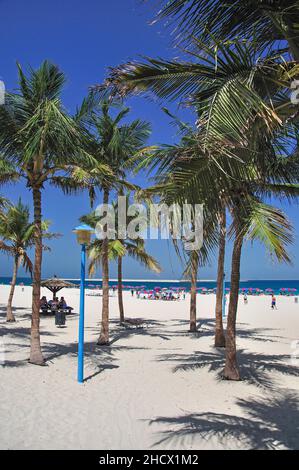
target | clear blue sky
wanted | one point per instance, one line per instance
(84, 38)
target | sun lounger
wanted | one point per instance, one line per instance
(51, 311)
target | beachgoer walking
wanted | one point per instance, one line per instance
(273, 303)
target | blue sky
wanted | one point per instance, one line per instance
(84, 38)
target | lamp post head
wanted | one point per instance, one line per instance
(83, 233)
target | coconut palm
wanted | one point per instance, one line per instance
(39, 138)
(118, 248)
(188, 172)
(269, 21)
(117, 144)
(237, 93)
(18, 236)
(191, 272)
(219, 341)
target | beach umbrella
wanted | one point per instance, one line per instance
(55, 285)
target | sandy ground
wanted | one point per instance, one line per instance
(158, 387)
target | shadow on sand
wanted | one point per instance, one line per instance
(256, 368)
(270, 423)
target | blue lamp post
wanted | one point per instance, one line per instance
(83, 233)
(223, 298)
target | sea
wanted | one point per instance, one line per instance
(149, 284)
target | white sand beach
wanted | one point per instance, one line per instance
(153, 388)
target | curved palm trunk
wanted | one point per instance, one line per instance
(231, 368)
(194, 269)
(219, 333)
(9, 315)
(36, 356)
(120, 290)
(104, 335)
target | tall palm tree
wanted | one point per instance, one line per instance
(42, 141)
(187, 172)
(18, 235)
(257, 221)
(117, 144)
(117, 250)
(191, 271)
(219, 341)
(239, 94)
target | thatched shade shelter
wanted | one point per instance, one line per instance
(55, 285)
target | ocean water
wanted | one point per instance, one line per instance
(276, 285)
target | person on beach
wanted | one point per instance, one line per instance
(43, 303)
(245, 299)
(132, 292)
(273, 302)
(54, 304)
(62, 303)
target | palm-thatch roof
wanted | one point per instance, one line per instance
(54, 284)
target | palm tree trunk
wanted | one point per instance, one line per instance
(194, 267)
(36, 356)
(219, 333)
(104, 335)
(9, 315)
(120, 291)
(231, 368)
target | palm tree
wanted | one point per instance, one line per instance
(219, 331)
(192, 271)
(41, 140)
(117, 250)
(188, 172)
(268, 21)
(117, 146)
(19, 232)
(239, 95)
(260, 221)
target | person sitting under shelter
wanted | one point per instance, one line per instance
(54, 304)
(43, 303)
(63, 305)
